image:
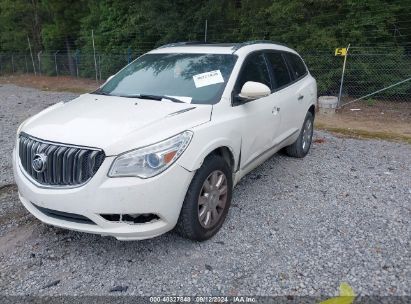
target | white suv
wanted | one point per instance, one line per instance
(162, 143)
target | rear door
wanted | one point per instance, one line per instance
(301, 90)
(283, 95)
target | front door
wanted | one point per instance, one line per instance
(259, 118)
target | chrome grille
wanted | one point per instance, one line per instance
(64, 165)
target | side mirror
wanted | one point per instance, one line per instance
(253, 90)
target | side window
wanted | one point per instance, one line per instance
(298, 65)
(255, 69)
(280, 69)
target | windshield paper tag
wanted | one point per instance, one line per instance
(182, 98)
(208, 78)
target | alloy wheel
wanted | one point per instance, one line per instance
(212, 199)
(307, 134)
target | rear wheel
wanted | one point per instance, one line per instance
(207, 200)
(302, 145)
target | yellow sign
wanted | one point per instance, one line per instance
(341, 52)
(347, 296)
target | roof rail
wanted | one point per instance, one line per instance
(174, 44)
(251, 42)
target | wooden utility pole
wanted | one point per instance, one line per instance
(95, 60)
(31, 54)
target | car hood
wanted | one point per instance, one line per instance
(115, 124)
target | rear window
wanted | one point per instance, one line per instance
(297, 65)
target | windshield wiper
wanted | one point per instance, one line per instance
(153, 97)
(98, 92)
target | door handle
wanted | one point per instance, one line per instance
(300, 97)
(275, 110)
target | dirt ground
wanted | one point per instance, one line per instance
(47, 83)
(382, 119)
(379, 119)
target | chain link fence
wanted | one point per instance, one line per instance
(381, 73)
(76, 64)
(378, 73)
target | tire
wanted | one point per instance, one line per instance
(302, 145)
(192, 222)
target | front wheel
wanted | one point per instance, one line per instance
(207, 200)
(302, 145)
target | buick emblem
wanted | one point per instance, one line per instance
(39, 162)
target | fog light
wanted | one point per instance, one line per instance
(133, 218)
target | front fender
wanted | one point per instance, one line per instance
(206, 140)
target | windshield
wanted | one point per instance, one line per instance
(195, 78)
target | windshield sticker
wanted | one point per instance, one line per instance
(182, 98)
(208, 78)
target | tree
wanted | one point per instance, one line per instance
(62, 27)
(19, 19)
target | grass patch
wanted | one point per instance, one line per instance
(370, 102)
(358, 133)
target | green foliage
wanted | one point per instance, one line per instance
(47, 66)
(370, 102)
(19, 19)
(141, 25)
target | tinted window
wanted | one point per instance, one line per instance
(298, 65)
(174, 75)
(255, 69)
(280, 70)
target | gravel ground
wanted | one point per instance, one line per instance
(296, 227)
(16, 105)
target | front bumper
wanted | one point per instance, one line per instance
(161, 195)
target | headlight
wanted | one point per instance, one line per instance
(151, 160)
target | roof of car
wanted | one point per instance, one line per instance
(219, 48)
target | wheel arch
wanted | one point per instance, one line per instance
(223, 149)
(226, 153)
(311, 109)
